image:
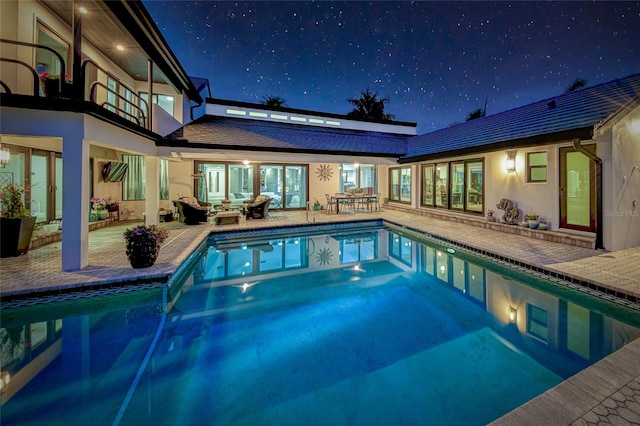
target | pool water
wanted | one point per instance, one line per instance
(360, 326)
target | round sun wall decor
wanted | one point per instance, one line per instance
(324, 172)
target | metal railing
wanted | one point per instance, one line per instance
(36, 76)
(123, 108)
(134, 110)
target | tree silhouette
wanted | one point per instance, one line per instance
(478, 113)
(273, 101)
(369, 106)
(578, 83)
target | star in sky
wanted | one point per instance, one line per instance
(435, 61)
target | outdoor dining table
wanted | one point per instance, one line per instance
(349, 199)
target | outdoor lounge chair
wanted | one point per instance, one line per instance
(258, 209)
(191, 210)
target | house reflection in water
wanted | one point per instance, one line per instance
(96, 345)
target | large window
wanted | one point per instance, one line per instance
(286, 185)
(166, 102)
(400, 184)
(358, 176)
(427, 185)
(456, 185)
(134, 186)
(442, 185)
(537, 323)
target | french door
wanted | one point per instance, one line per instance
(577, 190)
(46, 189)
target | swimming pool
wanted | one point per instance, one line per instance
(356, 326)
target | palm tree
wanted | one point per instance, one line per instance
(273, 101)
(478, 113)
(369, 106)
(578, 83)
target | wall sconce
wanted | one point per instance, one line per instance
(511, 161)
(5, 156)
(513, 315)
(5, 378)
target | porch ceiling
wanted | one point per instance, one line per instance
(104, 31)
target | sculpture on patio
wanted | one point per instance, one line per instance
(511, 212)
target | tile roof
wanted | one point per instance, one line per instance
(562, 117)
(216, 132)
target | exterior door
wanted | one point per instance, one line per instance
(577, 190)
(46, 181)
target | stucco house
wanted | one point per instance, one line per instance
(572, 159)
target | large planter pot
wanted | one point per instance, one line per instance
(15, 235)
(142, 254)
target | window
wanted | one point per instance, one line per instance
(112, 99)
(400, 248)
(135, 182)
(358, 175)
(427, 185)
(164, 179)
(537, 323)
(474, 186)
(442, 185)
(166, 102)
(400, 181)
(134, 186)
(456, 185)
(536, 167)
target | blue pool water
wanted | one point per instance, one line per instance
(357, 326)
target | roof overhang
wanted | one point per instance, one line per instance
(584, 133)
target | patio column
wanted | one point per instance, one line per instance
(75, 203)
(151, 204)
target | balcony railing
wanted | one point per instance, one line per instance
(131, 107)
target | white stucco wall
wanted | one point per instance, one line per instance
(621, 186)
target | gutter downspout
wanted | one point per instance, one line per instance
(598, 163)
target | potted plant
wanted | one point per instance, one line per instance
(316, 204)
(491, 216)
(143, 244)
(226, 203)
(532, 221)
(53, 86)
(16, 222)
(99, 208)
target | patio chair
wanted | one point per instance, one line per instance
(258, 209)
(190, 211)
(330, 203)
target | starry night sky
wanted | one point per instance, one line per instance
(435, 61)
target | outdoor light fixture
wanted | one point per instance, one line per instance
(513, 315)
(5, 378)
(511, 161)
(120, 47)
(5, 156)
(82, 10)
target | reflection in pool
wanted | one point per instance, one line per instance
(362, 326)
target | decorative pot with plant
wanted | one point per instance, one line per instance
(53, 86)
(143, 244)
(316, 204)
(99, 209)
(532, 220)
(226, 203)
(491, 216)
(16, 222)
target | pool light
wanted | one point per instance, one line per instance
(450, 250)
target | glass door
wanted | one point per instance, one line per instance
(295, 187)
(457, 185)
(577, 190)
(271, 184)
(46, 186)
